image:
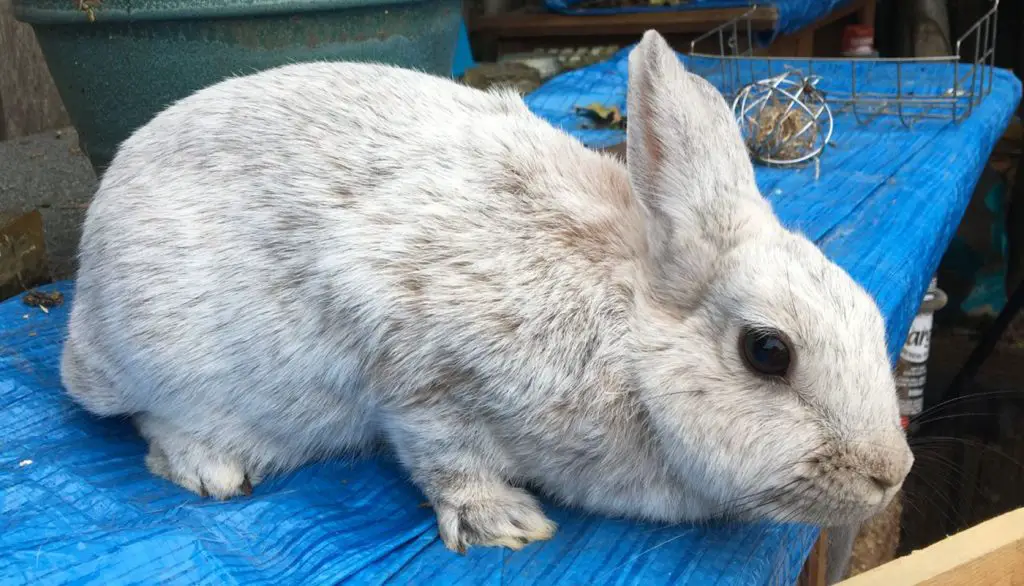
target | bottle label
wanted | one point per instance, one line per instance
(919, 340)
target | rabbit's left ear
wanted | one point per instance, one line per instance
(688, 165)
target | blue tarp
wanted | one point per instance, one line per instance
(77, 505)
(463, 53)
(793, 14)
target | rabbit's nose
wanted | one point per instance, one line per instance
(886, 481)
(888, 467)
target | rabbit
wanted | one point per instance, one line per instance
(302, 263)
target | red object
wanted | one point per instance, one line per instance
(858, 39)
(905, 421)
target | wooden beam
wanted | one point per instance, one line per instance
(816, 567)
(804, 43)
(530, 26)
(23, 260)
(866, 14)
(29, 102)
(989, 554)
(530, 22)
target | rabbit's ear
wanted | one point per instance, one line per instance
(687, 163)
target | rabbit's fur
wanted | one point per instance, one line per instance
(292, 265)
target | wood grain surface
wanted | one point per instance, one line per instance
(29, 102)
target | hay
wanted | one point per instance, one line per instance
(602, 116)
(518, 76)
(782, 133)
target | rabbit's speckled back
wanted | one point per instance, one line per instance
(296, 264)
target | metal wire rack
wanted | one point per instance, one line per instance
(946, 87)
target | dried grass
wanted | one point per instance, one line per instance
(778, 133)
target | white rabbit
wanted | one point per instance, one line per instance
(293, 265)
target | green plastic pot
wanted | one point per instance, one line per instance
(117, 64)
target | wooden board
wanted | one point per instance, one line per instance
(534, 22)
(989, 554)
(29, 102)
(23, 263)
(529, 27)
(816, 567)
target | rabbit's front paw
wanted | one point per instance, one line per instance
(495, 515)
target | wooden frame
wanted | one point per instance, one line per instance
(29, 102)
(534, 22)
(989, 554)
(528, 27)
(815, 569)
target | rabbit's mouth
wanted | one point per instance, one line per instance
(838, 484)
(807, 500)
(839, 497)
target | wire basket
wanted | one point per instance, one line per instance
(785, 119)
(946, 87)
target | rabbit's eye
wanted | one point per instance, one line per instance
(765, 353)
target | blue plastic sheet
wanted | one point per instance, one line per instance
(77, 505)
(463, 60)
(793, 14)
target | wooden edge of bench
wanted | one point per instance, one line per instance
(815, 570)
(989, 553)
